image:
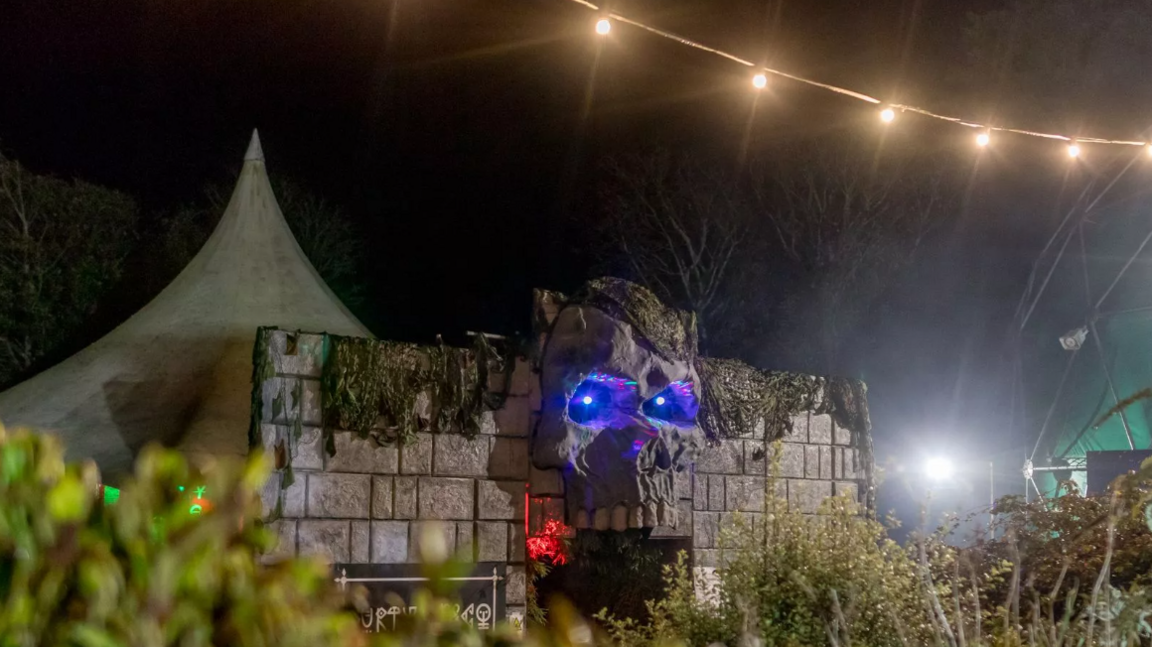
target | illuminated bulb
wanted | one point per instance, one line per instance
(1073, 150)
(587, 399)
(982, 139)
(660, 401)
(603, 26)
(759, 81)
(887, 115)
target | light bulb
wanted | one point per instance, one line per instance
(759, 81)
(660, 400)
(1073, 150)
(982, 139)
(887, 115)
(603, 26)
(587, 399)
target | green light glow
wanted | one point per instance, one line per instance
(111, 495)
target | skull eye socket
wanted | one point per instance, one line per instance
(600, 399)
(676, 404)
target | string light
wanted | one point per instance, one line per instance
(888, 114)
(982, 139)
(759, 81)
(1073, 150)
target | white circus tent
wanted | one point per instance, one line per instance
(179, 370)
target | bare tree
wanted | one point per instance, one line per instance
(62, 245)
(845, 221)
(677, 227)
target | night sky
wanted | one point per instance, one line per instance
(465, 136)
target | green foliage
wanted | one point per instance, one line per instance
(62, 245)
(788, 579)
(145, 572)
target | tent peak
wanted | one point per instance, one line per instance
(255, 152)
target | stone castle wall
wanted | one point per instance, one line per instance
(370, 502)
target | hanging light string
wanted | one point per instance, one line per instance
(890, 108)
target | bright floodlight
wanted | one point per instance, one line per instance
(982, 139)
(603, 26)
(759, 81)
(938, 469)
(587, 399)
(887, 115)
(1148, 147)
(1073, 150)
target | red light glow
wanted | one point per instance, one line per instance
(549, 544)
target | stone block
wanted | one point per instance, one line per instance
(826, 462)
(755, 458)
(811, 462)
(705, 529)
(545, 482)
(799, 432)
(404, 497)
(517, 543)
(706, 583)
(791, 463)
(381, 497)
(848, 489)
(488, 423)
(514, 418)
(515, 589)
(278, 399)
(456, 455)
(516, 618)
(361, 542)
(299, 354)
(747, 521)
(508, 458)
(806, 496)
(852, 469)
(285, 531)
(706, 557)
(715, 492)
(725, 458)
(431, 539)
(466, 541)
(311, 412)
(683, 484)
(416, 455)
(683, 522)
(840, 435)
(328, 539)
(362, 455)
(309, 449)
(500, 500)
(339, 495)
(745, 493)
(446, 498)
(270, 497)
(820, 429)
(541, 510)
(522, 378)
(389, 542)
(700, 492)
(491, 541)
(293, 497)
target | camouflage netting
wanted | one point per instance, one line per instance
(387, 390)
(671, 332)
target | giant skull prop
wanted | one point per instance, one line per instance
(619, 407)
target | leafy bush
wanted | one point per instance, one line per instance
(146, 572)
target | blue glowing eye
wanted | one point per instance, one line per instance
(600, 399)
(587, 399)
(675, 404)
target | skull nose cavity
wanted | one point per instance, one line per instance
(654, 455)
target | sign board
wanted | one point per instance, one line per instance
(480, 594)
(1105, 467)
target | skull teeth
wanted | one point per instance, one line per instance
(620, 517)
